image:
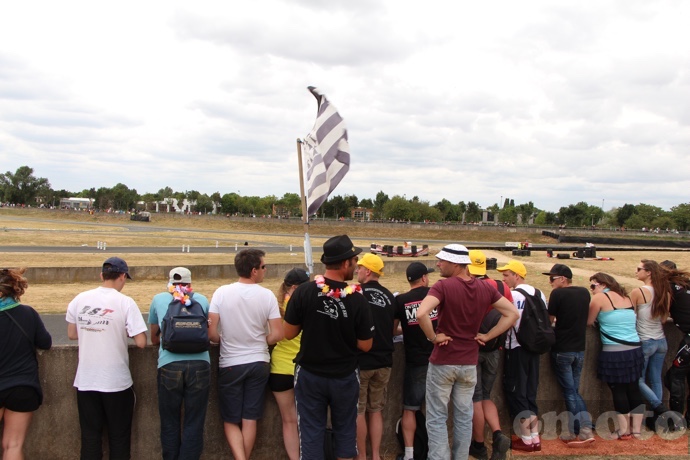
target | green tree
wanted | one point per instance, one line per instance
(649, 213)
(380, 200)
(124, 198)
(624, 213)
(366, 203)
(634, 222)
(473, 213)
(398, 208)
(352, 201)
(204, 203)
(22, 187)
(230, 203)
(681, 216)
(462, 209)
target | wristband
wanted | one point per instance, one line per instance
(432, 340)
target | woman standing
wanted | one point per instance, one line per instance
(281, 380)
(621, 360)
(21, 331)
(652, 302)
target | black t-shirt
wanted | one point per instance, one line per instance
(18, 364)
(570, 306)
(680, 308)
(382, 305)
(417, 347)
(330, 328)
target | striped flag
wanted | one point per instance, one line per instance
(327, 153)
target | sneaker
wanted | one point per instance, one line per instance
(500, 446)
(584, 439)
(567, 437)
(480, 453)
(519, 444)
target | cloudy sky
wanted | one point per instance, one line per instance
(553, 102)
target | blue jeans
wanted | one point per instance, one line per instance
(442, 383)
(654, 353)
(568, 366)
(314, 394)
(188, 383)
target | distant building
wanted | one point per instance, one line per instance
(362, 213)
(76, 203)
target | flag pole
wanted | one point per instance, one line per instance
(308, 260)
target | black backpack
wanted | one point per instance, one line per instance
(421, 438)
(185, 328)
(535, 333)
(489, 321)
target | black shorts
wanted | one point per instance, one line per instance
(281, 382)
(20, 399)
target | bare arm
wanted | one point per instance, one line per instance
(365, 345)
(276, 331)
(155, 330)
(72, 331)
(397, 330)
(636, 298)
(509, 315)
(291, 330)
(427, 306)
(594, 309)
(214, 321)
(140, 339)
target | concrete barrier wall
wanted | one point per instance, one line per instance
(54, 433)
(55, 275)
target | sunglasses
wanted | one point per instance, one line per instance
(640, 268)
(554, 278)
(593, 286)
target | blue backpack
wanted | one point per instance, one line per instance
(185, 328)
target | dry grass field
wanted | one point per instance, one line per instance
(37, 228)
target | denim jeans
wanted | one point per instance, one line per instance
(568, 366)
(654, 353)
(442, 383)
(183, 383)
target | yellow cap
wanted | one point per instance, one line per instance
(516, 267)
(372, 262)
(478, 265)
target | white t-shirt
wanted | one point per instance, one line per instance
(519, 302)
(244, 310)
(105, 319)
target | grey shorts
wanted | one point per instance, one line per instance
(487, 366)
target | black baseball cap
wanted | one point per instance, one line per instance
(296, 276)
(560, 270)
(416, 270)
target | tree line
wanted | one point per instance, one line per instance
(23, 188)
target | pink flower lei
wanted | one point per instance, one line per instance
(337, 293)
(180, 293)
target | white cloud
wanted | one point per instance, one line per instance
(538, 101)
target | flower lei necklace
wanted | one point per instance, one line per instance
(337, 293)
(180, 293)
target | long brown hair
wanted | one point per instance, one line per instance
(12, 283)
(610, 282)
(662, 289)
(282, 296)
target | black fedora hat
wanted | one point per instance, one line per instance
(338, 248)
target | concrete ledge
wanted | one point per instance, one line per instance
(54, 432)
(59, 275)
